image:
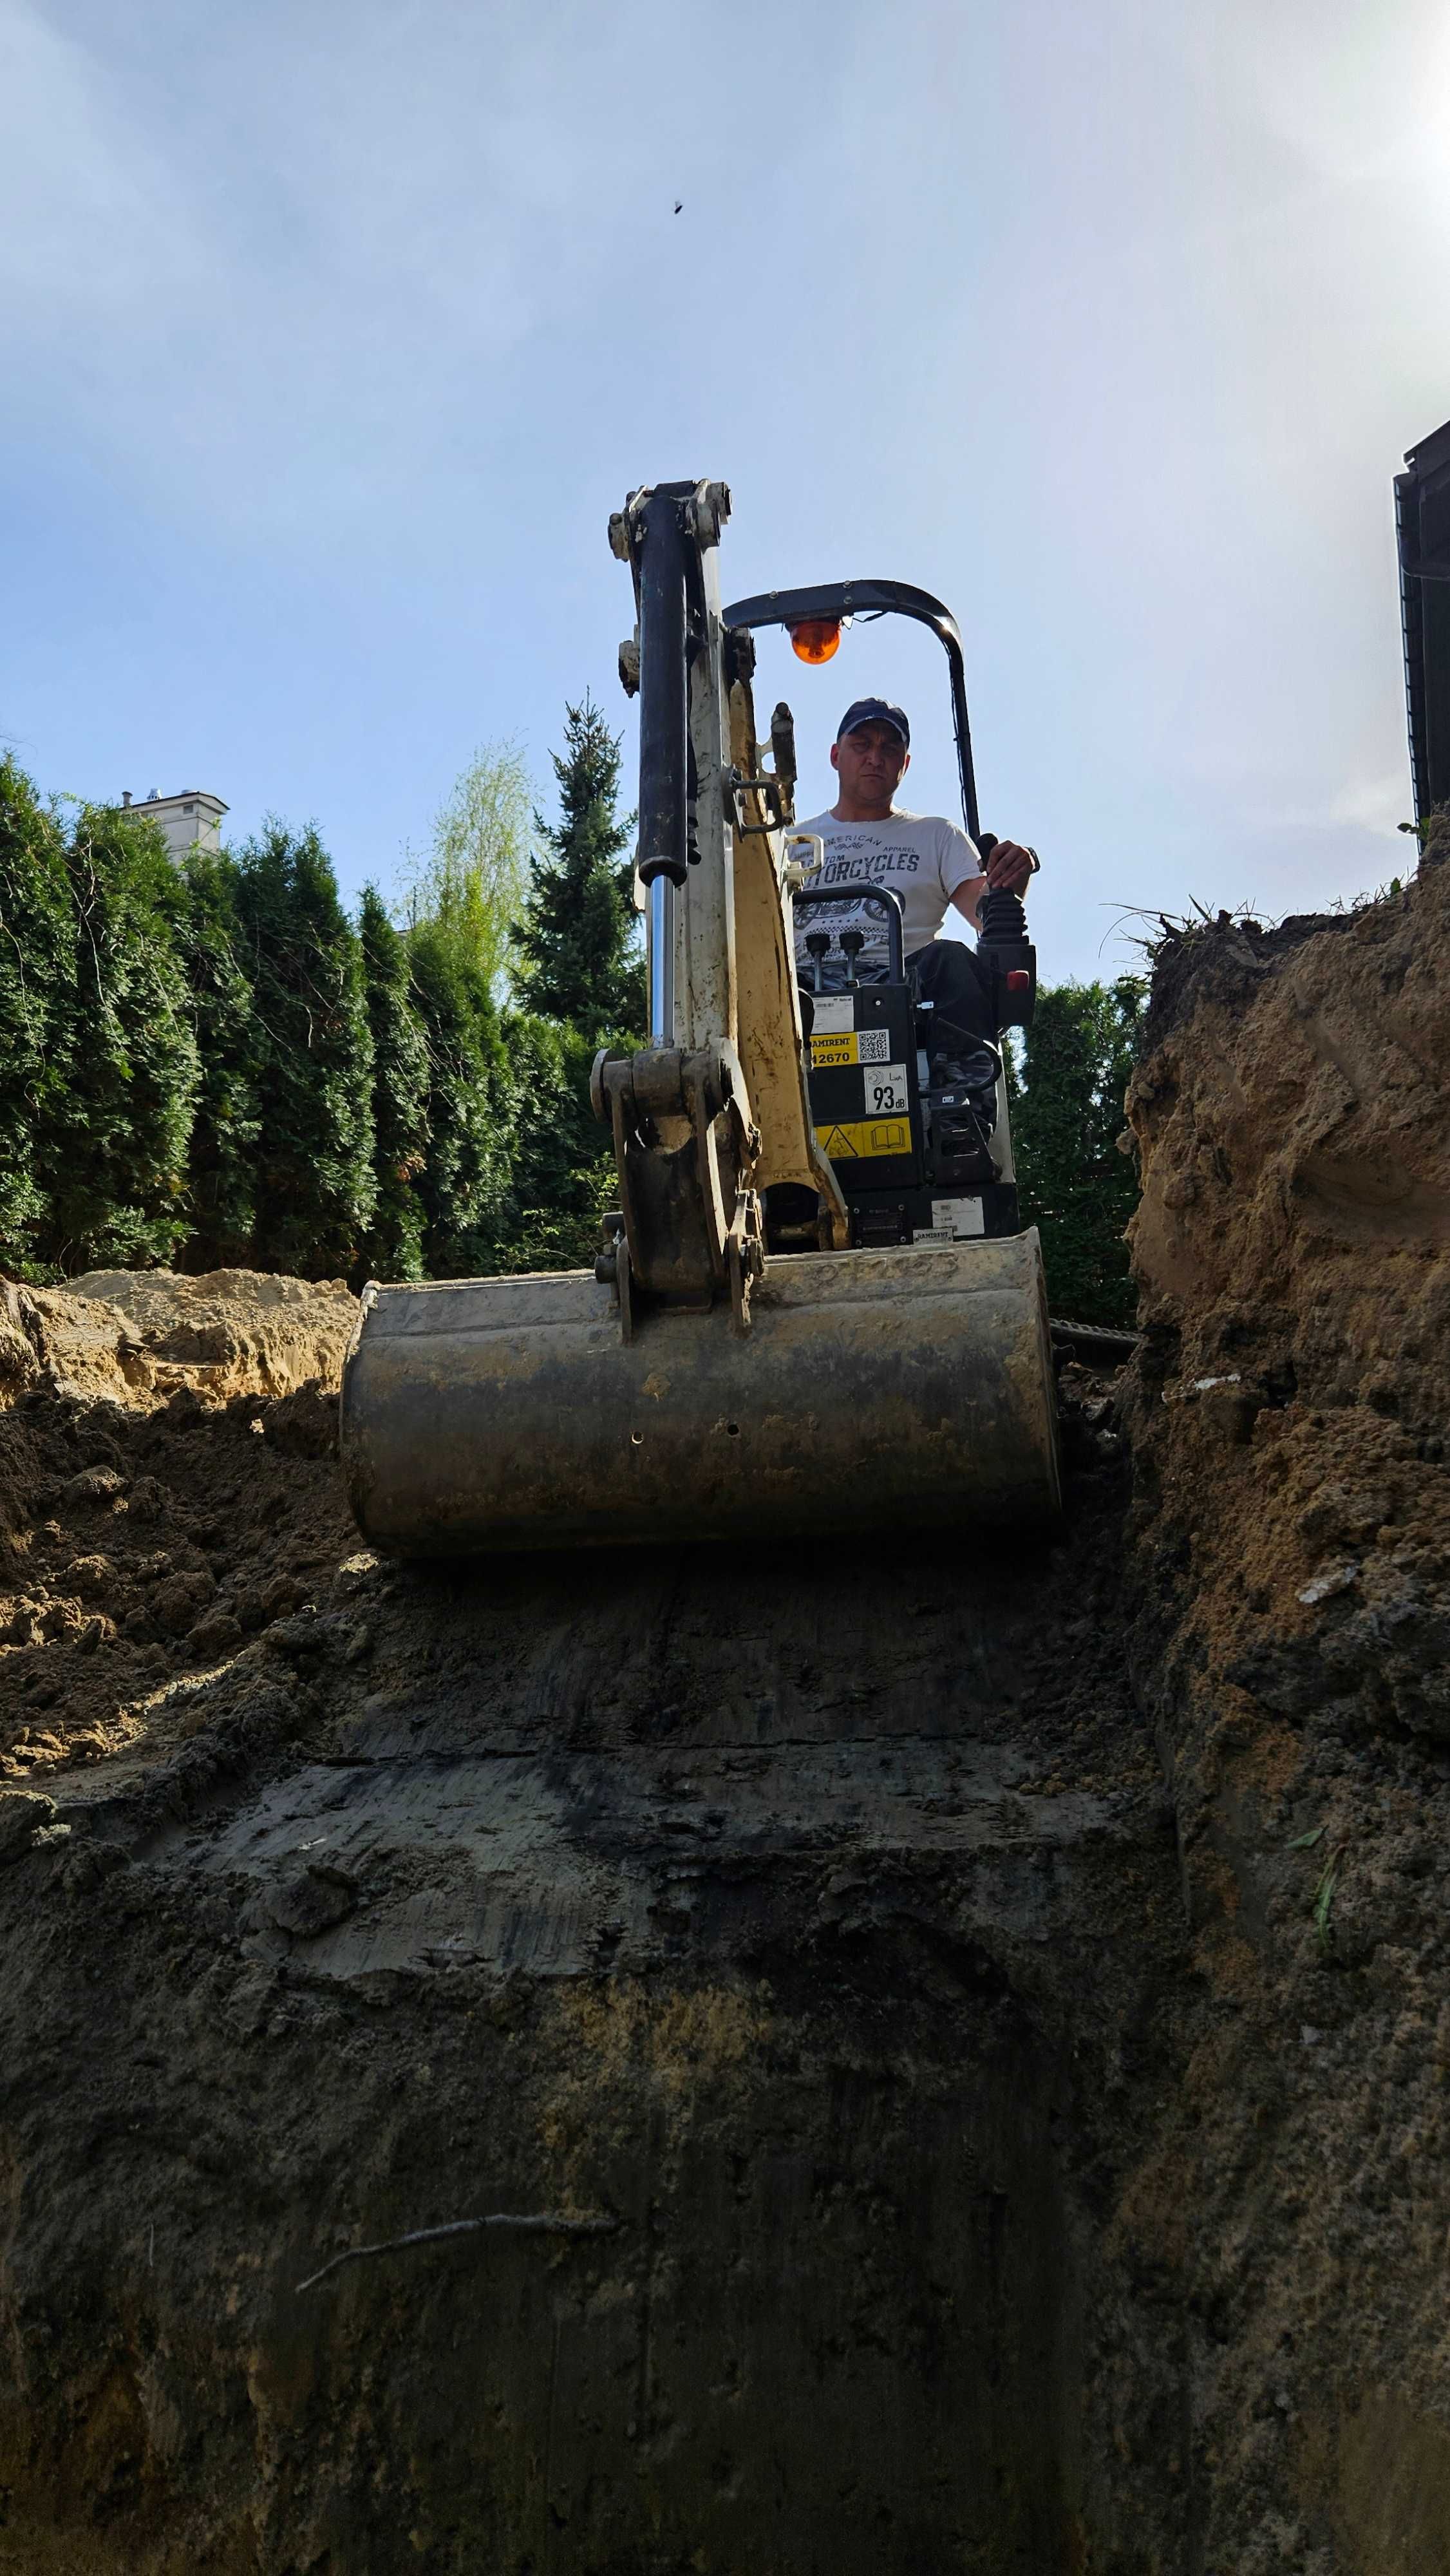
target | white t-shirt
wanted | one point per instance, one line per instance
(920, 857)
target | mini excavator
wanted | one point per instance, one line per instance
(814, 1307)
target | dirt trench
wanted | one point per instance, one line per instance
(994, 1996)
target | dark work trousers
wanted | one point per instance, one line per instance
(948, 976)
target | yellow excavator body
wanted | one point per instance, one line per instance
(724, 1372)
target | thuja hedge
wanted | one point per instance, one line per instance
(213, 1064)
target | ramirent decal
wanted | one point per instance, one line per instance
(850, 1046)
(834, 1051)
(864, 1139)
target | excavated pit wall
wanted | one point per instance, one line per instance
(1015, 2164)
(1288, 1602)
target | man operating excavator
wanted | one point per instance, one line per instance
(922, 858)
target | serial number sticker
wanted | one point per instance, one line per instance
(829, 1053)
(931, 1234)
(874, 1046)
(835, 1014)
(885, 1088)
(865, 1139)
(958, 1216)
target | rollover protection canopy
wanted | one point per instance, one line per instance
(873, 1389)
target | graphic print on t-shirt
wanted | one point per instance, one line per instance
(920, 857)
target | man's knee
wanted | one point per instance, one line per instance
(949, 977)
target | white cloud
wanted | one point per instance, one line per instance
(1378, 805)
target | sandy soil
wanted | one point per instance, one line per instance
(134, 1335)
(1289, 1571)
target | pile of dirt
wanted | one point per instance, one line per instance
(168, 1492)
(1290, 1595)
(136, 1335)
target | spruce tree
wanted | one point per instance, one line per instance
(315, 1187)
(112, 1145)
(37, 969)
(579, 975)
(226, 1129)
(1066, 1119)
(577, 947)
(394, 1244)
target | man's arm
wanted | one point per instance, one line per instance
(1010, 865)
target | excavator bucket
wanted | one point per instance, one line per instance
(871, 1391)
(760, 1350)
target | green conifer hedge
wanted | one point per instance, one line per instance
(1067, 1116)
(213, 1065)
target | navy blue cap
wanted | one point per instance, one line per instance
(873, 711)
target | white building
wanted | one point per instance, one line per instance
(188, 821)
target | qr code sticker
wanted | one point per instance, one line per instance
(873, 1046)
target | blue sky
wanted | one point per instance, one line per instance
(333, 334)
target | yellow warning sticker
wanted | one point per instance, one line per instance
(865, 1138)
(832, 1048)
(834, 1051)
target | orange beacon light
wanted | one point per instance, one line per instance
(817, 639)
